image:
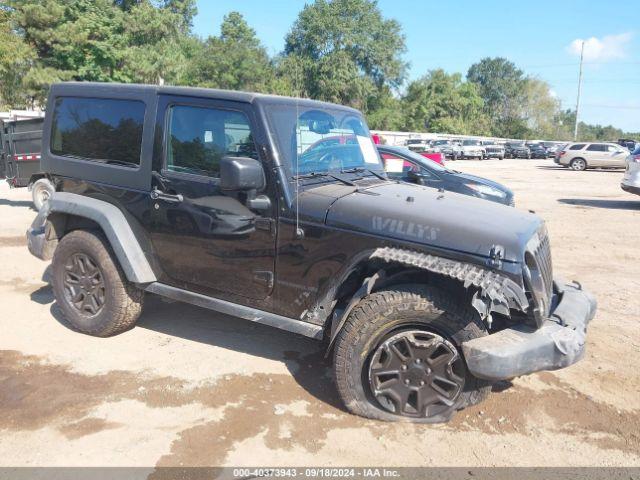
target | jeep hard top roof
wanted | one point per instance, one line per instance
(133, 89)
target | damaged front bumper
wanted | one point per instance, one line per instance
(37, 242)
(521, 350)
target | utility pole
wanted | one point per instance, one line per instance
(575, 129)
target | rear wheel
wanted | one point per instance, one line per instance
(91, 288)
(41, 192)
(398, 358)
(578, 164)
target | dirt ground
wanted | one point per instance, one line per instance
(191, 387)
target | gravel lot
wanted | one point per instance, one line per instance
(191, 387)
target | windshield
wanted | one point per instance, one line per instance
(441, 142)
(320, 139)
(471, 142)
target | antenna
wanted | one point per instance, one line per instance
(298, 136)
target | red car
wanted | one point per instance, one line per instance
(437, 157)
(423, 148)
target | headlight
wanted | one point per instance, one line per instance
(487, 190)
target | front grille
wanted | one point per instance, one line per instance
(542, 255)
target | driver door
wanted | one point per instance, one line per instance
(206, 239)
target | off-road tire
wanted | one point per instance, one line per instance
(122, 300)
(402, 307)
(41, 191)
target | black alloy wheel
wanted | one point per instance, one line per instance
(416, 373)
(84, 285)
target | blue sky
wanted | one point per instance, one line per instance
(536, 35)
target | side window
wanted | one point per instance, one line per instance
(198, 138)
(98, 129)
(612, 148)
(597, 147)
(398, 168)
(577, 146)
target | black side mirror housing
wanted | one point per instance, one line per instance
(241, 174)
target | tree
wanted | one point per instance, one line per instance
(349, 53)
(502, 87)
(72, 40)
(16, 59)
(540, 108)
(440, 102)
(157, 43)
(234, 60)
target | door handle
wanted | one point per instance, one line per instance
(166, 197)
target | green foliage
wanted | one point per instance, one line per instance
(502, 87)
(16, 59)
(441, 102)
(234, 60)
(347, 51)
(342, 51)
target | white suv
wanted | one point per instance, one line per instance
(580, 156)
(631, 181)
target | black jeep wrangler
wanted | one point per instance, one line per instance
(278, 210)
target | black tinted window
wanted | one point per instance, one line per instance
(98, 129)
(199, 137)
(578, 146)
(597, 147)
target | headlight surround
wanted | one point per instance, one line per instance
(486, 190)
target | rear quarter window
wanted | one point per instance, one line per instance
(578, 146)
(98, 129)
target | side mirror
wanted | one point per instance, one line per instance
(241, 174)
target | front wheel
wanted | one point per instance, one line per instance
(398, 357)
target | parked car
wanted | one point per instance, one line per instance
(424, 148)
(20, 144)
(423, 297)
(417, 144)
(403, 164)
(552, 148)
(580, 156)
(517, 150)
(537, 150)
(631, 181)
(494, 150)
(559, 149)
(628, 143)
(447, 148)
(473, 149)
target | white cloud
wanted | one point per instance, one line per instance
(609, 47)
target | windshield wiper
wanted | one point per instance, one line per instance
(362, 170)
(324, 174)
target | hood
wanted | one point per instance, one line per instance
(429, 217)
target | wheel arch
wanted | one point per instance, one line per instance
(38, 176)
(486, 290)
(66, 212)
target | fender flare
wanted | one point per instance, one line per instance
(114, 225)
(495, 292)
